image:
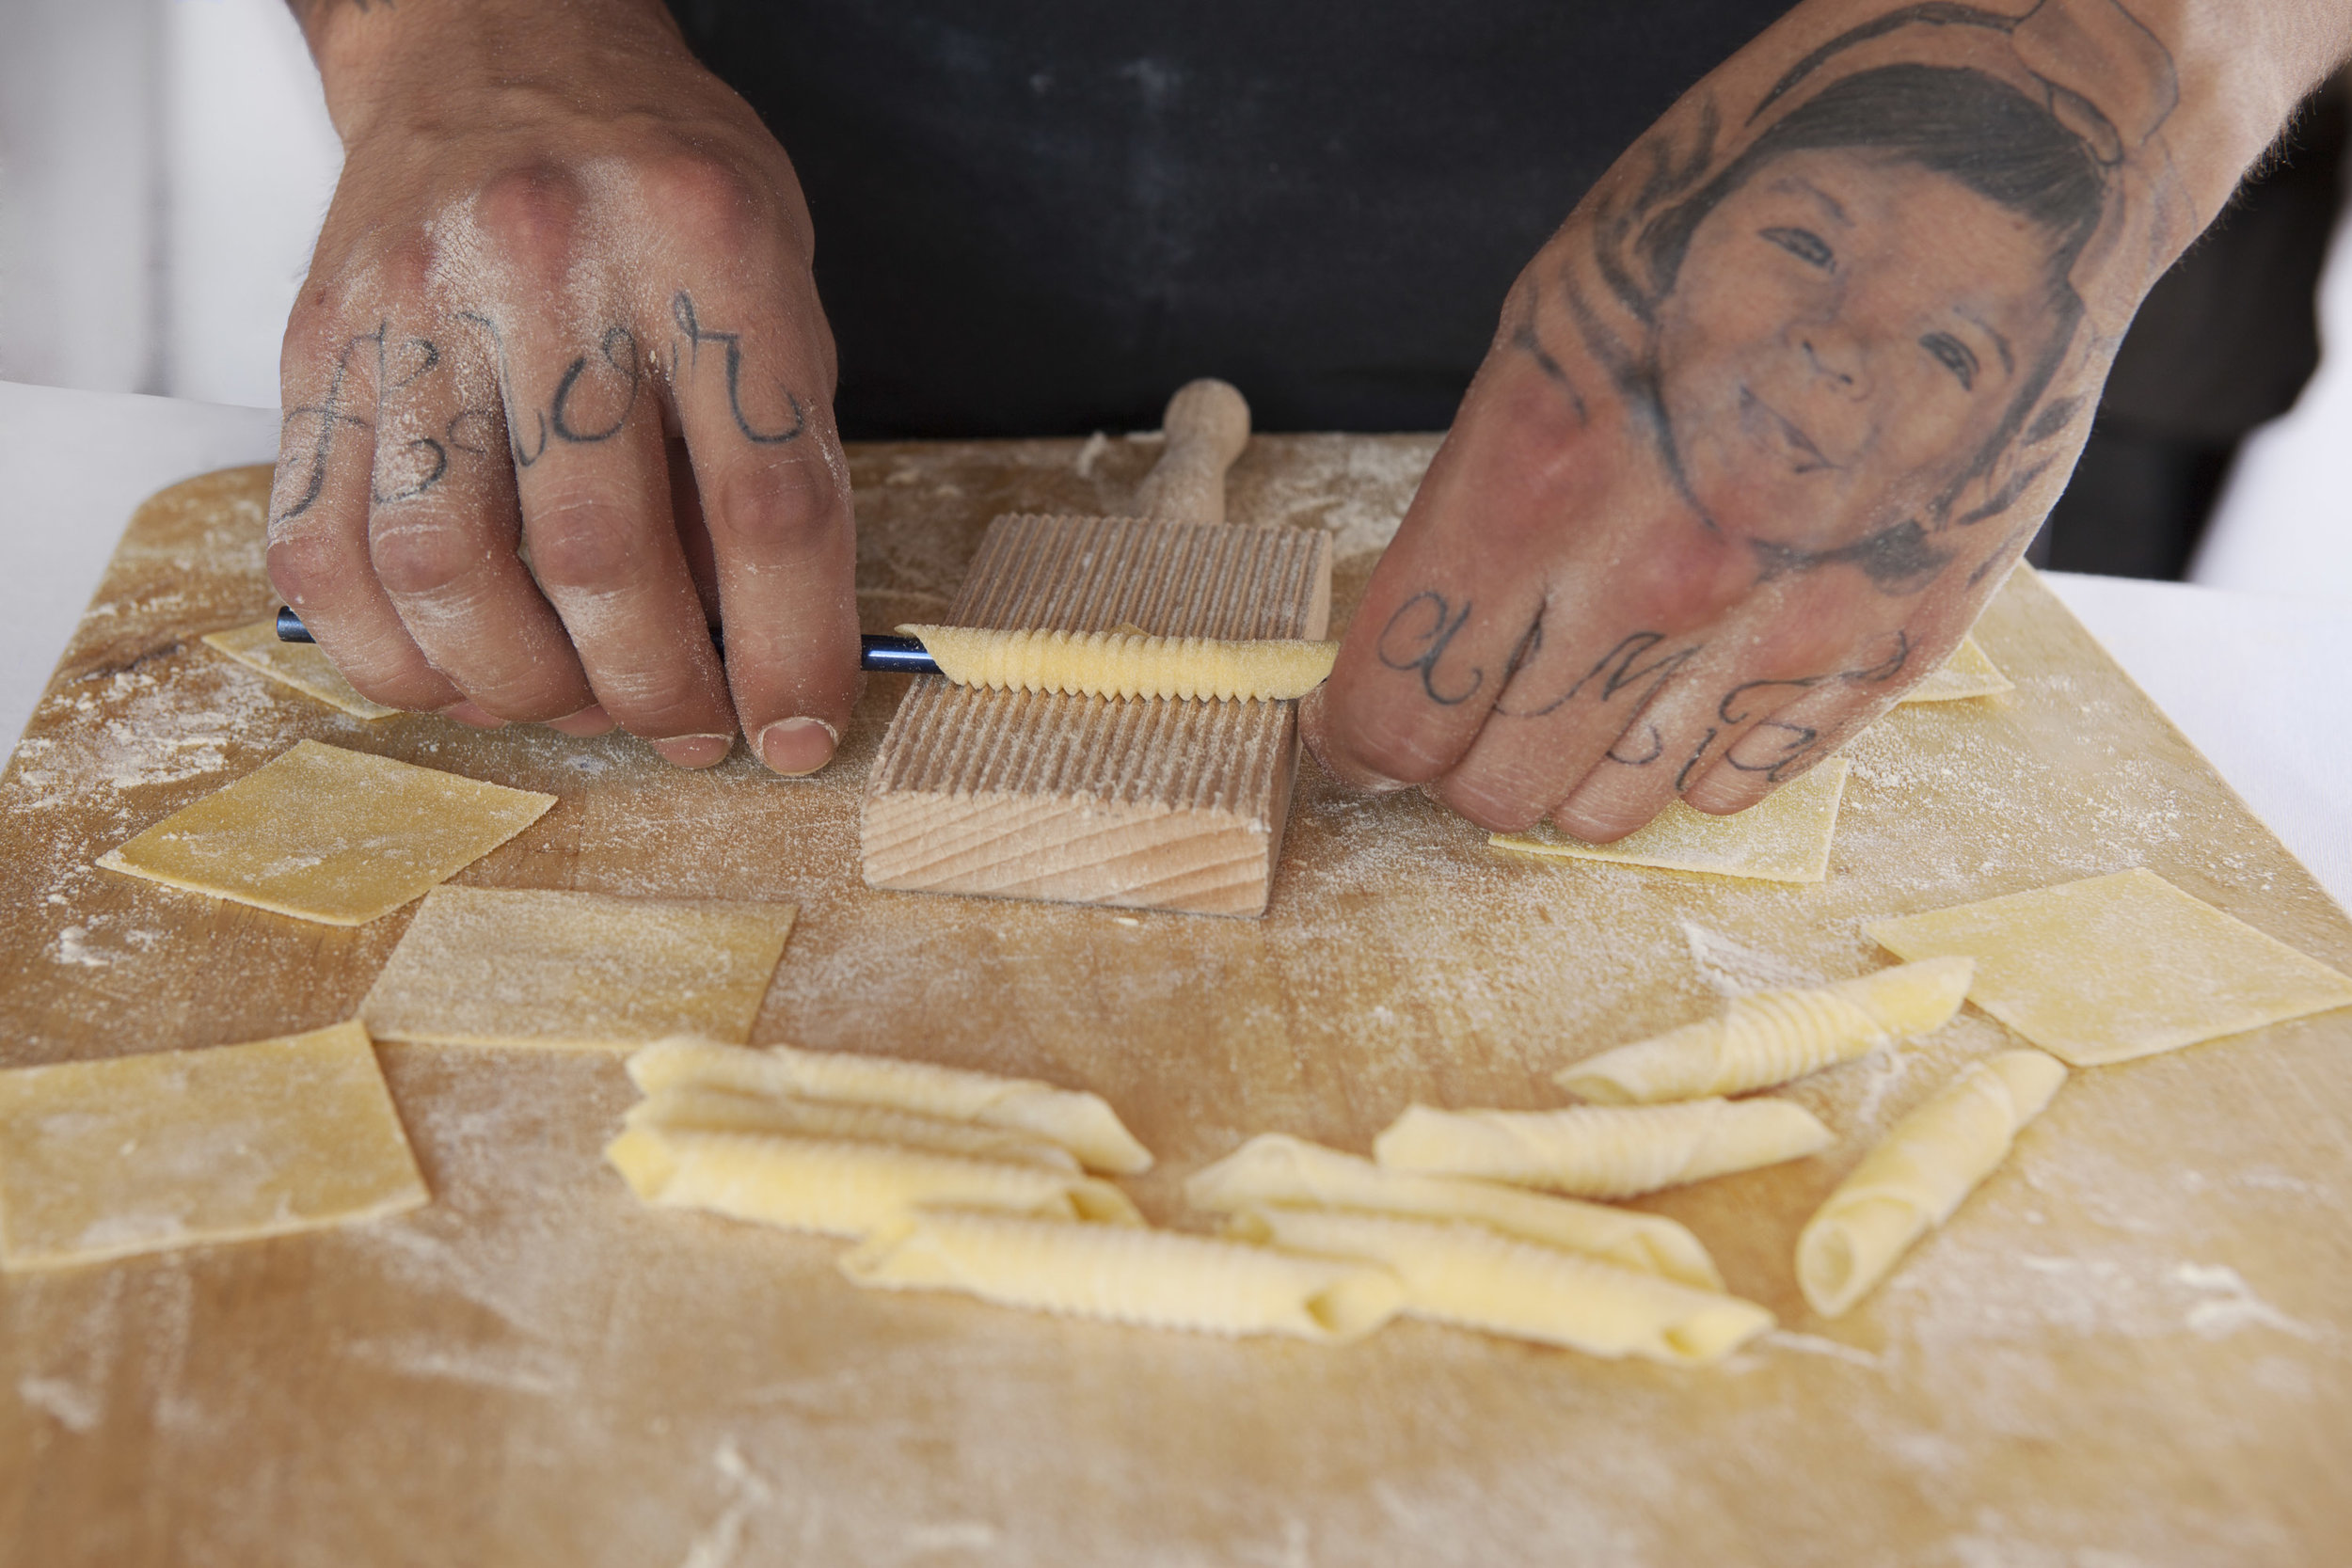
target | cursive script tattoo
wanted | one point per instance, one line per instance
(1618, 670)
(427, 456)
(617, 348)
(506, 393)
(682, 311)
(1416, 639)
(333, 419)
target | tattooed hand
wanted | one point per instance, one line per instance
(1768, 420)
(556, 239)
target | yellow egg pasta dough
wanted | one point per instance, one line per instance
(1152, 1279)
(1773, 1037)
(1603, 1151)
(516, 967)
(842, 1186)
(1783, 839)
(1466, 1274)
(303, 666)
(1080, 1122)
(2113, 968)
(1126, 664)
(1911, 1183)
(135, 1154)
(327, 835)
(1969, 673)
(687, 1108)
(1274, 1170)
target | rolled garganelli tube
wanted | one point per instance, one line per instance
(1603, 1151)
(694, 1109)
(1082, 1123)
(1463, 1274)
(1775, 1036)
(1155, 1278)
(1126, 664)
(1912, 1182)
(1275, 1170)
(842, 1187)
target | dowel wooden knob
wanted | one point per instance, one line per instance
(1207, 425)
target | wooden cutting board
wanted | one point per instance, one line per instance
(2132, 1345)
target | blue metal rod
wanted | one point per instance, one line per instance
(898, 655)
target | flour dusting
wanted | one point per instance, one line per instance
(1735, 969)
(2233, 1304)
(76, 1409)
(717, 1544)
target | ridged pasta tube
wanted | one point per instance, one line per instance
(1457, 1273)
(693, 1109)
(1277, 1171)
(1123, 664)
(1079, 1122)
(1602, 1150)
(1155, 1278)
(1776, 1035)
(840, 1187)
(1912, 1182)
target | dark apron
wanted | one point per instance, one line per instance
(1043, 216)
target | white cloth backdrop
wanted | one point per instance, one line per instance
(164, 164)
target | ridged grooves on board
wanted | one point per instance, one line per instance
(1148, 803)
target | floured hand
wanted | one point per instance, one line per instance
(1768, 419)
(557, 240)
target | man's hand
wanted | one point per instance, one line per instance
(557, 240)
(1770, 418)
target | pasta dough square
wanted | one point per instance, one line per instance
(1783, 839)
(2113, 968)
(486, 966)
(325, 834)
(144, 1153)
(300, 665)
(1969, 673)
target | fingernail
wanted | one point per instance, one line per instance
(694, 751)
(473, 717)
(586, 724)
(798, 747)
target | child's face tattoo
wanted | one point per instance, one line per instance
(1846, 329)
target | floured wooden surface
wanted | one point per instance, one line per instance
(2134, 1338)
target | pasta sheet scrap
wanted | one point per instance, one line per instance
(1783, 839)
(2114, 968)
(1466, 1274)
(325, 834)
(303, 666)
(1603, 1151)
(1913, 1181)
(1126, 664)
(1274, 1170)
(1079, 1122)
(842, 1187)
(141, 1153)
(1776, 1035)
(1155, 1278)
(1969, 673)
(535, 966)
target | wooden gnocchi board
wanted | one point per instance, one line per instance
(2132, 1345)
